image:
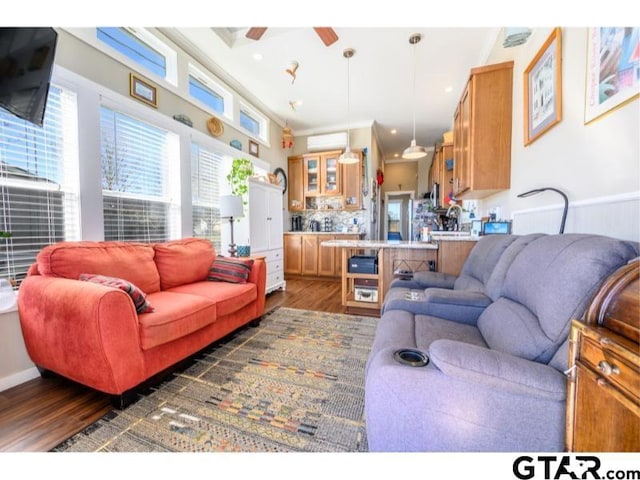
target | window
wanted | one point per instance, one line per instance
(200, 91)
(209, 93)
(137, 200)
(134, 48)
(253, 122)
(38, 182)
(205, 191)
(143, 48)
(249, 123)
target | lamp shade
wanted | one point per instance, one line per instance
(348, 157)
(414, 151)
(231, 206)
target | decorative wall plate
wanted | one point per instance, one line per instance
(236, 144)
(215, 127)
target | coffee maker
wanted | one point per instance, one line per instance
(296, 223)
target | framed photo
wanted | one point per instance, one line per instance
(543, 89)
(143, 90)
(254, 148)
(612, 69)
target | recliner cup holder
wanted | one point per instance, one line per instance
(411, 357)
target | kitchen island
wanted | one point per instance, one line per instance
(363, 293)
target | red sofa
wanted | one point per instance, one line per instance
(92, 334)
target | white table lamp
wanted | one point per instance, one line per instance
(231, 207)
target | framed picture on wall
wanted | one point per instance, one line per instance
(543, 89)
(613, 67)
(143, 91)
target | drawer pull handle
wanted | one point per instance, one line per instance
(607, 369)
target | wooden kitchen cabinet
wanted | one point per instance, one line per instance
(482, 133)
(305, 255)
(603, 386)
(326, 258)
(438, 172)
(309, 255)
(352, 184)
(322, 173)
(296, 184)
(293, 254)
(452, 254)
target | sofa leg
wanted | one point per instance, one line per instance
(255, 322)
(123, 400)
(44, 373)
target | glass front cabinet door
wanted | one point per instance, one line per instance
(330, 174)
(312, 175)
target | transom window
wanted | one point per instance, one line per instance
(253, 122)
(209, 92)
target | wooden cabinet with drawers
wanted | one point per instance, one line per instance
(603, 397)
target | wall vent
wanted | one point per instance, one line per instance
(331, 141)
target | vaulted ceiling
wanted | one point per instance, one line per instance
(380, 75)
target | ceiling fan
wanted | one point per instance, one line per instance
(326, 34)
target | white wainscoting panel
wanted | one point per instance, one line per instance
(614, 216)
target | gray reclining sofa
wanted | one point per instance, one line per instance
(494, 378)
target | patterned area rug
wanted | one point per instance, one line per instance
(294, 384)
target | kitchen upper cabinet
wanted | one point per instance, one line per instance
(482, 133)
(322, 174)
(296, 183)
(441, 173)
(352, 184)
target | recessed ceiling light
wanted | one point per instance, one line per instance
(393, 131)
(257, 56)
(448, 89)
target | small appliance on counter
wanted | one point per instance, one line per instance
(315, 225)
(296, 223)
(328, 224)
(363, 264)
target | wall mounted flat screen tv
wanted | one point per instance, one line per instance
(26, 63)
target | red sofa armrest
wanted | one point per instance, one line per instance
(84, 331)
(258, 275)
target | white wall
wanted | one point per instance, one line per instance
(596, 165)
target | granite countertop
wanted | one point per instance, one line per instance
(380, 244)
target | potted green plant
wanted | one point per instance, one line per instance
(241, 170)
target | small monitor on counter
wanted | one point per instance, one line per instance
(496, 228)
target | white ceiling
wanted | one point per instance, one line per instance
(381, 76)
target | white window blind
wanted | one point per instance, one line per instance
(137, 204)
(38, 182)
(205, 181)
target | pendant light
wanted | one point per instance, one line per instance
(348, 156)
(414, 151)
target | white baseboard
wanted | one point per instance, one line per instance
(17, 378)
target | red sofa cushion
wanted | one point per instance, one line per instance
(176, 315)
(228, 297)
(127, 260)
(183, 261)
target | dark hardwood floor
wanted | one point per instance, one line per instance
(41, 413)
